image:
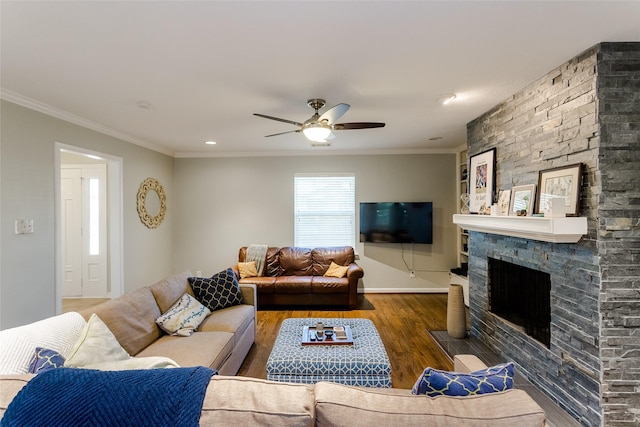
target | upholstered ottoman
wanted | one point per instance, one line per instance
(365, 363)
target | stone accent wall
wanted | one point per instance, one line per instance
(618, 97)
(585, 111)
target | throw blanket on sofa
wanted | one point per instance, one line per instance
(258, 253)
(84, 397)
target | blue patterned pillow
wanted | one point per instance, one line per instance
(44, 359)
(434, 382)
(220, 291)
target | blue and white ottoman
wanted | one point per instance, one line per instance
(365, 363)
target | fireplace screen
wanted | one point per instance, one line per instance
(521, 296)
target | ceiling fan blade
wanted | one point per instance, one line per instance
(282, 133)
(357, 125)
(334, 113)
(278, 119)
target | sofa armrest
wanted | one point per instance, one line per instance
(354, 272)
(467, 363)
(249, 294)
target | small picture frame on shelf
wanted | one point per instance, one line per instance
(503, 202)
(482, 177)
(562, 182)
(522, 200)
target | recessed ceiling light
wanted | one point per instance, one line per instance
(144, 105)
(446, 98)
(210, 142)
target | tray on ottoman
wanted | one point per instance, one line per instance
(365, 363)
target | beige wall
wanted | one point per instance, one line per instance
(225, 203)
(27, 266)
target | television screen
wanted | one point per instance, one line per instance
(396, 222)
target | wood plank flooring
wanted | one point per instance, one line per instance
(401, 319)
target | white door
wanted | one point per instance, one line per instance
(71, 231)
(84, 214)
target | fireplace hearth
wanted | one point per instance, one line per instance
(521, 295)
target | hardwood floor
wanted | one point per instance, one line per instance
(401, 319)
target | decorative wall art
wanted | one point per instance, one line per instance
(503, 202)
(151, 203)
(482, 174)
(563, 182)
(522, 200)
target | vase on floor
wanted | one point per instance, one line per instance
(456, 314)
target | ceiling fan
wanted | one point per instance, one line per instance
(319, 128)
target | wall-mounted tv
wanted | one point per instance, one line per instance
(396, 222)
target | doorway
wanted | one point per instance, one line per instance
(88, 224)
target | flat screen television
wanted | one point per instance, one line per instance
(396, 222)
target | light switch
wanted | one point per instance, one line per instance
(24, 226)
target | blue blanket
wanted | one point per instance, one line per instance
(83, 397)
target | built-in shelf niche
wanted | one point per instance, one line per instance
(554, 230)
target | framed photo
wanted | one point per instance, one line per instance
(523, 198)
(504, 198)
(563, 182)
(482, 180)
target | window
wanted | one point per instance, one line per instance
(324, 209)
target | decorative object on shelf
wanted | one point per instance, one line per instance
(503, 202)
(522, 200)
(563, 182)
(456, 314)
(152, 203)
(464, 174)
(465, 203)
(482, 177)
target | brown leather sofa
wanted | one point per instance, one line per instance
(293, 276)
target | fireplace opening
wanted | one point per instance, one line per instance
(521, 296)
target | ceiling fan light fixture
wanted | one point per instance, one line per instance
(317, 132)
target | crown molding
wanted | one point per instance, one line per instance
(52, 111)
(317, 152)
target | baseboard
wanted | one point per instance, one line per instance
(403, 291)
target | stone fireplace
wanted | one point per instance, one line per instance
(585, 111)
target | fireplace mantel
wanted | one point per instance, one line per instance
(554, 230)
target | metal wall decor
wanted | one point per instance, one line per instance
(152, 203)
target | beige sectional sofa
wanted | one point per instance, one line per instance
(221, 342)
(240, 401)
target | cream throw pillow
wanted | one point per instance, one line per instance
(247, 269)
(184, 317)
(96, 344)
(336, 270)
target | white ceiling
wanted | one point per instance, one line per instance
(205, 66)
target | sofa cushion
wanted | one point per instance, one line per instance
(220, 291)
(241, 401)
(235, 320)
(336, 270)
(131, 318)
(329, 285)
(264, 285)
(363, 407)
(293, 285)
(324, 256)
(97, 344)
(169, 290)
(45, 359)
(184, 317)
(296, 261)
(247, 269)
(18, 344)
(210, 349)
(434, 382)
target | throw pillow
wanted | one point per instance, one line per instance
(97, 344)
(220, 291)
(336, 270)
(434, 382)
(45, 359)
(184, 317)
(247, 269)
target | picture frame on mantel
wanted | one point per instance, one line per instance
(523, 200)
(561, 182)
(482, 180)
